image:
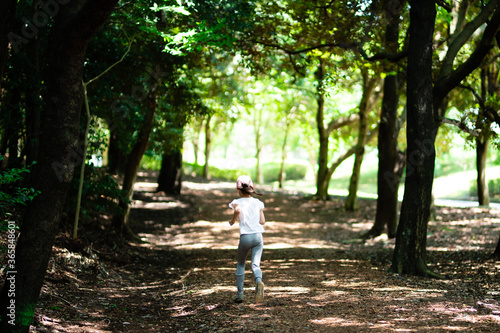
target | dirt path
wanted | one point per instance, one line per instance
(319, 277)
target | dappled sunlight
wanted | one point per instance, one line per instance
(476, 232)
(319, 275)
(200, 234)
(220, 235)
(157, 205)
(336, 322)
(61, 325)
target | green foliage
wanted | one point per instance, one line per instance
(448, 163)
(493, 189)
(150, 162)
(100, 193)
(199, 24)
(293, 172)
(12, 195)
(216, 173)
(270, 172)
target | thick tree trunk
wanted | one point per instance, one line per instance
(390, 159)
(410, 250)
(170, 178)
(59, 154)
(390, 169)
(33, 100)
(33, 122)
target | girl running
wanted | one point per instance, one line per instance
(250, 213)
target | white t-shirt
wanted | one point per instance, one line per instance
(249, 215)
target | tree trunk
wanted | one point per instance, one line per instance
(170, 177)
(282, 174)
(208, 141)
(74, 26)
(117, 159)
(496, 254)
(365, 106)
(122, 221)
(33, 109)
(195, 140)
(390, 163)
(410, 250)
(322, 178)
(482, 144)
(259, 177)
(390, 160)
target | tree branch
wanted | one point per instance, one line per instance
(351, 151)
(443, 4)
(131, 40)
(393, 57)
(460, 38)
(448, 81)
(461, 125)
(494, 115)
(343, 121)
(473, 92)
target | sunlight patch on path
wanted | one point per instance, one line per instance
(196, 235)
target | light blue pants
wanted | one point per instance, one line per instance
(254, 242)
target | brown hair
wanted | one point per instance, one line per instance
(248, 189)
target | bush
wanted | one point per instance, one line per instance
(100, 193)
(12, 195)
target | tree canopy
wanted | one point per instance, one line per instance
(305, 83)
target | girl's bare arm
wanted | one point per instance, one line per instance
(236, 213)
(262, 218)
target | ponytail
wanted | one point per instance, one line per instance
(248, 189)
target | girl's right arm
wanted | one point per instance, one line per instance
(262, 218)
(236, 213)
